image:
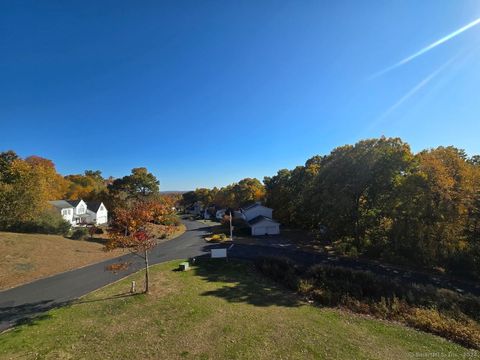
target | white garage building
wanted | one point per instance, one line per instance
(262, 225)
(259, 218)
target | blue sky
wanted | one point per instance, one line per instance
(205, 93)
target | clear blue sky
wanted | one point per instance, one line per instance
(205, 93)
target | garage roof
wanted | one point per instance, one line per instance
(261, 218)
(251, 206)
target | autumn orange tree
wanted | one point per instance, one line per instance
(87, 186)
(26, 185)
(131, 230)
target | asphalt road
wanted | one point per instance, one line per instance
(35, 298)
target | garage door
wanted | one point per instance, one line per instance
(101, 220)
(258, 230)
(272, 230)
(264, 230)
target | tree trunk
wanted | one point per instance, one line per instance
(146, 272)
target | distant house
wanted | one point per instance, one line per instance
(195, 209)
(252, 211)
(220, 214)
(78, 212)
(259, 218)
(206, 214)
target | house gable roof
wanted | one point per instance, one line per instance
(251, 206)
(69, 204)
(61, 204)
(74, 203)
(94, 205)
(261, 218)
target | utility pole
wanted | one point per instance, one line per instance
(231, 227)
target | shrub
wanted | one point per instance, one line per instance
(352, 251)
(94, 230)
(305, 286)
(99, 231)
(170, 220)
(79, 234)
(440, 311)
(346, 247)
(466, 332)
(282, 270)
(219, 237)
(47, 222)
(465, 264)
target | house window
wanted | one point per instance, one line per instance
(81, 209)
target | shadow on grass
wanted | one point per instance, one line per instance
(32, 313)
(25, 314)
(240, 283)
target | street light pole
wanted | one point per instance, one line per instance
(231, 227)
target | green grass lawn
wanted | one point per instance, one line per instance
(217, 310)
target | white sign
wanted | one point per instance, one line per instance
(219, 253)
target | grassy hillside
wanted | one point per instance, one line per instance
(215, 311)
(26, 257)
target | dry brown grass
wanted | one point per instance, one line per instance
(27, 257)
(159, 230)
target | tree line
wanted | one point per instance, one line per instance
(379, 199)
(232, 196)
(27, 184)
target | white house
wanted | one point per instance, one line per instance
(256, 209)
(78, 212)
(259, 218)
